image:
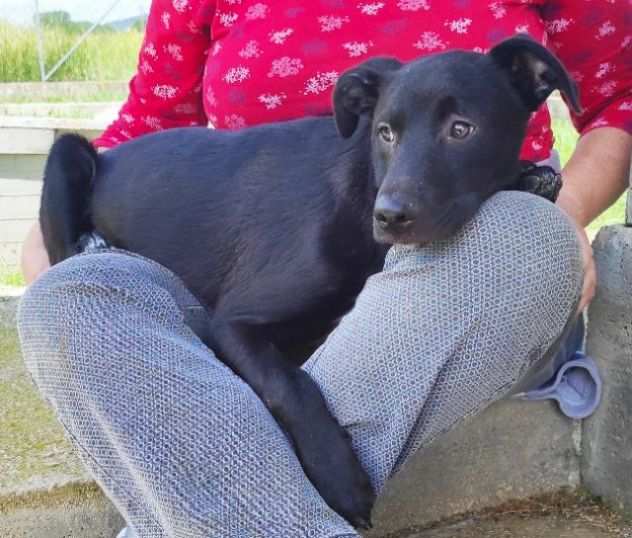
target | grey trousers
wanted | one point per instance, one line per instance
(184, 448)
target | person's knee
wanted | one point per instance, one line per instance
(515, 238)
(533, 244)
(516, 267)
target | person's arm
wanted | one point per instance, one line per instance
(593, 42)
(594, 178)
(166, 90)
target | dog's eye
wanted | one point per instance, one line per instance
(386, 133)
(461, 130)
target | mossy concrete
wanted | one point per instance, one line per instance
(44, 489)
(33, 451)
(607, 464)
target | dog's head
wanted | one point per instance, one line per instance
(446, 130)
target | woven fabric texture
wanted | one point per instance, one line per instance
(184, 448)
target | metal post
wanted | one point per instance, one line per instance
(40, 42)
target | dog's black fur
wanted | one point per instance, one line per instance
(274, 228)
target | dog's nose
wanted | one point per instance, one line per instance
(391, 212)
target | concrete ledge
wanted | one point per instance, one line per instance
(25, 141)
(9, 299)
(73, 91)
(79, 510)
(50, 124)
(512, 451)
(607, 462)
(47, 110)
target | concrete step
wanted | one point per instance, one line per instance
(67, 91)
(573, 518)
(19, 206)
(25, 141)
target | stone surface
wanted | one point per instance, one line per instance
(38, 91)
(514, 450)
(19, 206)
(67, 110)
(44, 490)
(607, 462)
(551, 526)
(71, 512)
(9, 299)
(34, 454)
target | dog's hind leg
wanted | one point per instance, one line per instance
(292, 397)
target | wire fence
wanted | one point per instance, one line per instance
(38, 38)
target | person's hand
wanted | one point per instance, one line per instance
(34, 259)
(590, 269)
(573, 210)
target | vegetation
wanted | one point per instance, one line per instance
(106, 54)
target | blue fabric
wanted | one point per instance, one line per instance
(576, 385)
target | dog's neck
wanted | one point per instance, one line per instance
(355, 191)
(356, 181)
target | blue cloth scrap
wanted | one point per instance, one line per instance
(577, 385)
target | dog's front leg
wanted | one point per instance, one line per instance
(295, 401)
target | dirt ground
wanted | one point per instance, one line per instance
(554, 517)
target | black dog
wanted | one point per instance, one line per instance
(274, 228)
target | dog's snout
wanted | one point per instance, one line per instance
(392, 212)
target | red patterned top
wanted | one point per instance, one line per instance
(236, 63)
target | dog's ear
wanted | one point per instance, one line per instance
(534, 71)
(357, 91)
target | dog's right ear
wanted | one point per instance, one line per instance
(357, 91)
(534, 71)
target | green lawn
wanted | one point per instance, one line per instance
(104, 55)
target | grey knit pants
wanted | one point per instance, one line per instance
(184, 448)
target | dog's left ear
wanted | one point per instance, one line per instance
(357, 91)
(534, 71)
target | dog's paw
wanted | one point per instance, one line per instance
(540, 180)
(335, 471)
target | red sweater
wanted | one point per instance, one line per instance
(236, 63)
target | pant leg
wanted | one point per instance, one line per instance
(181, 445)
(437, 336)
(447, 329)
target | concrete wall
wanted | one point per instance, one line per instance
(24, 144)
(607, 461)
(70, 91)
(513, 450)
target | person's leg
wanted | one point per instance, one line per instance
(447, 329)
(442, 332)
(181, 445)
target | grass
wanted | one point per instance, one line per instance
(10, 277)
(32, 443)
(104, 55)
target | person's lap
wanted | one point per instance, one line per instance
(184, 447)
